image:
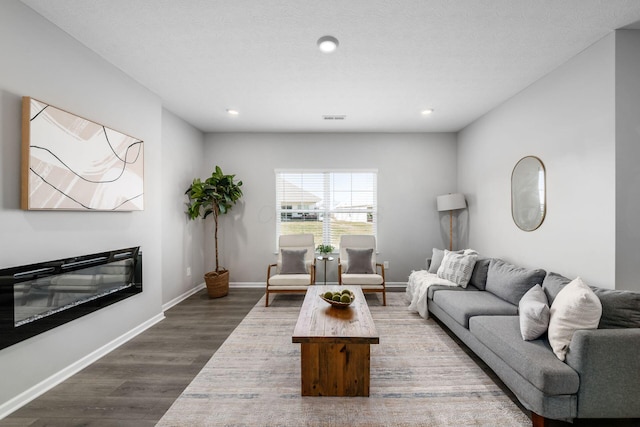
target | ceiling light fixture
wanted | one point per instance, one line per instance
(328, 44)
(232, 112)
(426, 112)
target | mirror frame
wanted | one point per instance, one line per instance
(538, 221)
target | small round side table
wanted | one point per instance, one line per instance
(325, 259)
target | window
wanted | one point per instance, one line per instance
(326, 204)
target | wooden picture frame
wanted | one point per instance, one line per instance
(71, 163)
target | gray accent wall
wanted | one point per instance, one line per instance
(412, 170)
(182, 240)
(41, 61)
(627, 89)
(567, 119)
(582, 121)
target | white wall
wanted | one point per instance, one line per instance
(627, 159)
(412, 170)
(182, 240)
(567, 119)
(41, 61)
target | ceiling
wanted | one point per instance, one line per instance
(396, 57)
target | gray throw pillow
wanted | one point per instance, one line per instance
(620, 309)
(436, 259)
(359, 261)
(293, 261)
(552, 284)
(533, 311)
(510, 282)
(479, 274)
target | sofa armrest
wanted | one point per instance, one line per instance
(609, 368)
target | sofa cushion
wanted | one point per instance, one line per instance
(620, 309)
(433, 288)
(363, 280)
(575, 307)
(479, 275)
(510, 282)
(552, 284)
(533, 311)
(533, 360)
(463, 305)
(289, 280)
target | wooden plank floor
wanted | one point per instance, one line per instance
(136, 384)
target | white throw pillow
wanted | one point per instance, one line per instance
(457, 268)
(575, 307)
(438, 255)
(533, 310)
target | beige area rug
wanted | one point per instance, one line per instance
(419, 377)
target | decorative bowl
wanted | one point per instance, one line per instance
(339, 304)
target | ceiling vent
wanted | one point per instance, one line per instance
(334, 117)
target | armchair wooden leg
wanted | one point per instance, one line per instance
(266, 299)
(384, 297)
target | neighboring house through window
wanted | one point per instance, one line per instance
(326, 203)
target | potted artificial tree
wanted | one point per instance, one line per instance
(216, 195)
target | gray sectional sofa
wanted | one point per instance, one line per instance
(600, 377)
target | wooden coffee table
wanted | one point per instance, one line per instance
(335, 344)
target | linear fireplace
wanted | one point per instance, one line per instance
(37, 297)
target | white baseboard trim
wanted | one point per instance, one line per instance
(247, 285)
(37, 390)
(177, 300)
(396, 284)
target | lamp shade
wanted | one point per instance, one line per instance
(451, 202)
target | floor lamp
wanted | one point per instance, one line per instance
(451, 202)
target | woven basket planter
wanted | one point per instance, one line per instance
(217, 283)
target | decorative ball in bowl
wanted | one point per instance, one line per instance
(339, 299)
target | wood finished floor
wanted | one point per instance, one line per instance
(136, 384)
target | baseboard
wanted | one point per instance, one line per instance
(42, 387)
(247, 285)
(396, 284)
(177, 300)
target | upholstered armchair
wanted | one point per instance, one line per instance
(295, 269)
(357, 264)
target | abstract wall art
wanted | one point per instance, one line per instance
(71, 163)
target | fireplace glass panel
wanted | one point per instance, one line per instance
(45, 296)
(38, 297)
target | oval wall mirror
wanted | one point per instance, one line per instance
(528, 193)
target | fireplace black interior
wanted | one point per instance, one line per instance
(37, 297)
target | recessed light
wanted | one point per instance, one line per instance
(328, 44)
(232, 112)
(427, 111)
